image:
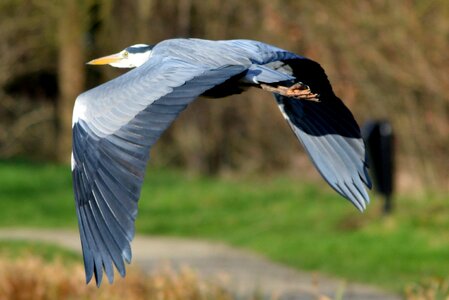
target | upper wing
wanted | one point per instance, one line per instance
(114, 126)
(329, 134)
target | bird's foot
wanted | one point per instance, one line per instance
(299, 91)
(302, 91)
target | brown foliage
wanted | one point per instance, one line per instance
(32, 278)
(428, 289)
(385, 59)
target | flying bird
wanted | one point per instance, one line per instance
(116, 124)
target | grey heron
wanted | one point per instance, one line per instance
(115, 125)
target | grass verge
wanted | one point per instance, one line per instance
(16, 249)
(27, 272)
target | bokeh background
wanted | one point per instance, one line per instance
(386, 60)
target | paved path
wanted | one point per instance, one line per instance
(240, 271)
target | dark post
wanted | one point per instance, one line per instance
(379, 139)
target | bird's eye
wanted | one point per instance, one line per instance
(125, 54)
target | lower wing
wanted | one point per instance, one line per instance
(329, 134)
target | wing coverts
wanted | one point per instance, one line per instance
(108, 172)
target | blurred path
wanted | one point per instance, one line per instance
(241, 271)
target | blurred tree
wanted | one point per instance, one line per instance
(385, 60)
(72, 28)
(27, 79)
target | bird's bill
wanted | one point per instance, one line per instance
(106, 59)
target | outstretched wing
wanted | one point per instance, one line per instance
(114, 126)
(329, 133)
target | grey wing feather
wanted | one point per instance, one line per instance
(263, 74)
(339, 158)
(111, 148)
(329, 133)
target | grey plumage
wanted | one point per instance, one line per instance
(116, 124)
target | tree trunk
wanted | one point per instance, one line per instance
(143, 15)
(71, 66)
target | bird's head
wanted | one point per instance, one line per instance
(131, 57)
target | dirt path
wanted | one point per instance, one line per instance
(241, 271)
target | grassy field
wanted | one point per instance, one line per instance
(300, 224)
(16, 249)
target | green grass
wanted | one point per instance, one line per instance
(300, 224)
(17, 249)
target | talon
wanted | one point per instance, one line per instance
(302, 91)
(299, 91)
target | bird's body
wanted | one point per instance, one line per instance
(116, 124)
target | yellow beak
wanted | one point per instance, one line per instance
(106, 59)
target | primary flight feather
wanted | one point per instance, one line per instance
(116, 124)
